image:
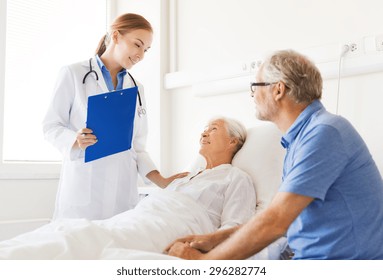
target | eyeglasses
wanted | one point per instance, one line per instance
(253, 86)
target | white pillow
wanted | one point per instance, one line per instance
(262, 158)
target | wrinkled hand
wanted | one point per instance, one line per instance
(85, 138)
(185, 251)
(202, 243)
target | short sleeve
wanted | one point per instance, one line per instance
(314, 162)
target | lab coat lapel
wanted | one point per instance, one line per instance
(94, 86)
(128, 83)
(101, 81)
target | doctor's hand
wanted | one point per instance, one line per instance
(85, 138)
(176, 176)
(161, 181)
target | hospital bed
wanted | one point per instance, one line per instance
(129, 236)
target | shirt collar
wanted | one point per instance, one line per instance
(294, 129)
(223, 166)
(218, 167)
(203, 169)
(103, 67)
(99, 62)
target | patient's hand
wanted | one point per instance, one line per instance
(203, 243)
(185, 251)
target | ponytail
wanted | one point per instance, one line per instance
(101, 46)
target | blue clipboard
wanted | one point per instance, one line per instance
(111, 117)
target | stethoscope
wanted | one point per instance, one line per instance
(141, 110)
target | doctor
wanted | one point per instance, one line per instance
(105, 187)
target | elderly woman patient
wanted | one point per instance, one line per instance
(218, 196)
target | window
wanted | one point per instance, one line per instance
(41, 37)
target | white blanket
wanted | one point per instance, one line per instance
(158, 220)
(141, 233)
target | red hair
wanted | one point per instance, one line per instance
(124, 24)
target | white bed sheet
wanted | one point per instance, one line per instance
(141, 233)
(158, 220)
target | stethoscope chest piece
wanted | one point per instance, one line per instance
(141, 111)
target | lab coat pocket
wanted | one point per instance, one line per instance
(75, 184)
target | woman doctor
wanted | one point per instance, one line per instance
(104, 187)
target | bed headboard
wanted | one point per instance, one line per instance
(262, 158)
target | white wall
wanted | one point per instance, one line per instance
(224, 32)
(25, 205)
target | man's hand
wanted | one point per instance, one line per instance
(202, 243)
(195, 246)
(185, 251)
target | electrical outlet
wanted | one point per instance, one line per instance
(355, 48)
(254, 65)
(379, 42)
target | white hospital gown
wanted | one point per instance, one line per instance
(225, 192)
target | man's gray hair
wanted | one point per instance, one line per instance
(235, 129)
(297, 72)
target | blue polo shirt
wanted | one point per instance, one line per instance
(107, 77)
(327, 159)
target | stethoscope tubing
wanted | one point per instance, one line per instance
(138, 92)
(141, 110)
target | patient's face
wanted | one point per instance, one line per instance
(215, 139)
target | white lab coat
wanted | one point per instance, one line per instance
(105, 187)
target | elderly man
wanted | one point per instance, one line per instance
(218, 196)
(330, 201)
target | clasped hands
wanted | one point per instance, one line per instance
(191, 247)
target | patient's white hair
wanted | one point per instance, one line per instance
(235, 129)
